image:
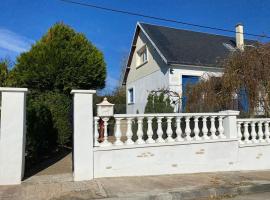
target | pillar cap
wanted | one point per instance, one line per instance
(230, 112)
(13, 89)
(83, 91)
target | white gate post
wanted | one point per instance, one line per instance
(83, 136)
(12, 135)
(230, 123)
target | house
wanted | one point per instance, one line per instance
(169, 58)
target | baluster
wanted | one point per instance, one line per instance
(267, 134)
(106, 141)
(140, 131)
(213, 128)
(196, 129)
(118, 133)
(220, 127)
(159, 131)
(260, 132)
(169, 130)
(205, 129)
(178, 130)
(129, 132)
(253, 133)
(188, 130)
(246, 133)
(150, 131)
(96, 132)
(239, 132)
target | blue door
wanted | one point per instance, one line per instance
(187, 80)
(243, 100)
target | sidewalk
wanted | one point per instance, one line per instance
(188, 186)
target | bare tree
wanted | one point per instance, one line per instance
(247, 70)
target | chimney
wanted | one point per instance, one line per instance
(239, 36)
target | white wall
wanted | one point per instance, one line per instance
(254, 157)
(166, 159)
(191, 157)
(142, 87)
(150, 76)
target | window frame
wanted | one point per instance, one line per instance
(129, 96)
(142, 56)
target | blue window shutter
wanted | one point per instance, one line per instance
(187, 80)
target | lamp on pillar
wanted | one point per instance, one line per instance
(104, 110)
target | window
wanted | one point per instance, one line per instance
(142, 56)
(130, 95)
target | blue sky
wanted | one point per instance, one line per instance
(22, 22)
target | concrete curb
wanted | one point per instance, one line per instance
(199, 193)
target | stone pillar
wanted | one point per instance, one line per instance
(83, 135)
(12, 135)
(230, 123)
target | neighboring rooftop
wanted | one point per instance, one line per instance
(189, 47)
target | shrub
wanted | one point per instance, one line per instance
(158, 103)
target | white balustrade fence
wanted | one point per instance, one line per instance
(160, 128)
(253, 130)
(164, 143)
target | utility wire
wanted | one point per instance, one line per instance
(156, 18)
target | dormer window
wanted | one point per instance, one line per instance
(142, 56)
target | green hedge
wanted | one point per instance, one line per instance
(48, 124)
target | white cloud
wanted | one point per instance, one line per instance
(13, 42)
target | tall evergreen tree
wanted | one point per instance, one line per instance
(63, 59)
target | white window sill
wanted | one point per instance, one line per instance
(140, 65)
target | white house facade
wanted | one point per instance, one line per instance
(169, 58)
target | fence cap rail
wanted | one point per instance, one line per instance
(230, 112)
(253, 119)
(83, 91)
(13, 89)
(174, 115)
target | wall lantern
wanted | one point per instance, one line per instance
(105, 108)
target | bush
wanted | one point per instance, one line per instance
(41, 134)
(158, 103)
(48, 123)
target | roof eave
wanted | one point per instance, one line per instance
(132, 48)
(174, 64)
